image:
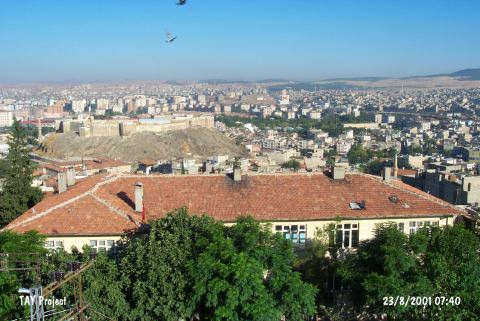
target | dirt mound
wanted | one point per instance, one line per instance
(177, 143)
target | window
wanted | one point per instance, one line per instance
(294, 233)
(347, 235)
(54, 245)
(415, 226)
(401, 227)
(101, 245)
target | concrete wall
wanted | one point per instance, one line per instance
(471, 189)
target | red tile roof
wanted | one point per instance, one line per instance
(405, 172)
(104, 204)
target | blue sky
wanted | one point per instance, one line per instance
(103, 40)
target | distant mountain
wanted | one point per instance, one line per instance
(356, 79)
(273, 80)
(173, 83)
(223, 81)
(468, 74)
(310, 86)
(464, 74)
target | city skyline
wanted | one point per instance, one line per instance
(124, 40)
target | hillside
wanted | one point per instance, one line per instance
(468, 74)
(179, 143)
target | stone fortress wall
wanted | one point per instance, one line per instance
(122, 128)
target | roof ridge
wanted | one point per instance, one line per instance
(53, 208)
(114, 209)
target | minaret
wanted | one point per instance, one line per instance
(395, 165)
(39, 126)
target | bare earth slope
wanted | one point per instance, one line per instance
(178, 143)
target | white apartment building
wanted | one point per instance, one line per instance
(78, 106)
(6, 118)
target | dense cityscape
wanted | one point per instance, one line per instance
(316, 161)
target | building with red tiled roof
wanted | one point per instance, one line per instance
(87, 167)
(99, 210)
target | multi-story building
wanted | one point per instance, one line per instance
(6, 118)
(102, 104)
(78, 106)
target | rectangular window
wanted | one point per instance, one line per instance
(302, 237)
(294, 233)
(401, 227)
(346, 238)
(413, 227)
(294, 236)
(92, 243)
(354, 238)
(347, 235)
(54, 245)
(435, 223)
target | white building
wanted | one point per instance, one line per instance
(78, 106)
(6, 118)
(315, 115)
(102, 104)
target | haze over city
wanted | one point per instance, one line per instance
(62, 41)
(239, 160)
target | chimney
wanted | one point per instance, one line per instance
(395, 166)
(71, 176)
(387, 174)
(338, 173)
(237, 174)
(62, 182)
(138, 197)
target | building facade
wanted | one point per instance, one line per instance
(99, 210)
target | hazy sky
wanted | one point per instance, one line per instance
(47, 40)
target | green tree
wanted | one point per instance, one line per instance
(357, 154)
(384, 266)
(375, 167)
(292, 164)
(17, 194)
(318, 267)
(451, 261)
(17, 250)
(434, 262)
(190, 266)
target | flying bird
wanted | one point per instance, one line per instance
(169, 37)
(181, 2)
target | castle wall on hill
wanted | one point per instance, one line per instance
(115, 128)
